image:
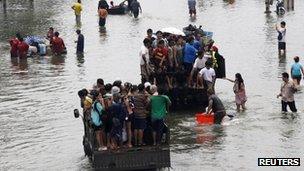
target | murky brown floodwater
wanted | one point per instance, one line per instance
(37, 97)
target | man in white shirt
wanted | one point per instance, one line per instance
(144, 60)
(281, 38)
(199, 64)
(207, 76)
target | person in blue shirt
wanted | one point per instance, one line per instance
(197, 44)
(189, 57)
(296, 71)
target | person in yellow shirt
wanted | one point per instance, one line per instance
(77, 7)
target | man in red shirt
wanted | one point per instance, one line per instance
(57, 44)
(22, 48)
(161, 62)
(14, 45)
(160, 55)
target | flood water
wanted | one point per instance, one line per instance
(38, 95)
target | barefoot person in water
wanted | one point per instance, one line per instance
(239, 91)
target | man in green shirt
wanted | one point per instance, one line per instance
(159, 108)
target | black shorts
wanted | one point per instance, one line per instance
(140, 123)
(158, 125)
(102, 22)
(282, 46)
(130, 118)
(97, 128)
(188, 68)
(297, 77)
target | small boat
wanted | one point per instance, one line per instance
(118, 10)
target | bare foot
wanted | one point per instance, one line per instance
(129, 146)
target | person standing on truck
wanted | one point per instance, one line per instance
(159, 108)
(96, 117)
(207, 76)
(77, 7)
(141, 102)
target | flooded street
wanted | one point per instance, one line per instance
(38, 95)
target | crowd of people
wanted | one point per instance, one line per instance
(125, 113)
(170, 61)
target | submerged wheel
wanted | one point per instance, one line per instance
(86, 148)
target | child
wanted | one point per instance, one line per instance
(296, 71)
(239, 91)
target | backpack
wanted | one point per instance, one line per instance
(280, 36)
(102, 116)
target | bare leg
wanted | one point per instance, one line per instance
(136, 136)
(98, 138)
(169, 82)
(129, 132)
(140, 136)
(108, 140)
(154, 138)
(295, 82)
(238, 108)
(243, 106)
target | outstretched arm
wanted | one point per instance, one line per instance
(230, 80)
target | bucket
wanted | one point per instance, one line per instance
(202, 118)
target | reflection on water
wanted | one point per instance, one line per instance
(19, 65)
(58, 59)
(80, 59)
(209, 134)
(103, 32)
(38, 95)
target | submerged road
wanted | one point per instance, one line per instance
(37, 97)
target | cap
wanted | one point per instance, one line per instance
(147, 84)
(115, 90)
